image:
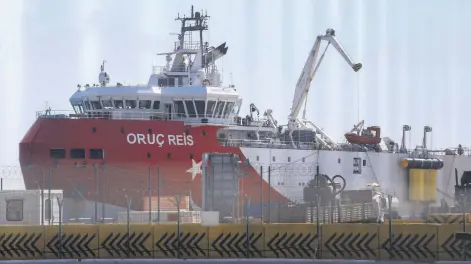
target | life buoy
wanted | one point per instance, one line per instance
(206, 82)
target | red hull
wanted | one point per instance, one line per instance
(125, 166)
(356, 139)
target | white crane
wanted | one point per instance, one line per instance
(304, 82)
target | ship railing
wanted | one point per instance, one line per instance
(130, 114)
(187, 45)
(163, 69)
(268, 143)
(264, 143)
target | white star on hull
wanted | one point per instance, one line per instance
(195, 169)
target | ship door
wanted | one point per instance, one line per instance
(168, 110)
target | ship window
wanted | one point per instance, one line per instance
(219, 109)
(338, 161)
(57, 153)
(14, 210)
(47, 209)
(228, 109)
(210, 108)
(235, 110)
(96, 105)
(190, 108)
(274, 159)
(130, 104)
(356, 166)
(156, 105)
(78, 109)
(96, 154)
(77, 153)
(304, 159)
(258, 158)
(289, 159)
(200, 108)
(145, 104)
(86, 105)
(107, 104)
(179, 108)
(364, 163)
(118, 104)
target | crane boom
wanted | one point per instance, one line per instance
(309, 71)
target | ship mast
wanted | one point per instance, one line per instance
(200, 24)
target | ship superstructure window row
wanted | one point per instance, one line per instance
(196, 109)
(109, 104)
(77, 153)
(181, 107)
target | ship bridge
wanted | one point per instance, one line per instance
(188, 88)
(197, 103)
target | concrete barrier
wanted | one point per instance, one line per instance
(338, 242)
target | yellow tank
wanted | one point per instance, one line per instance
(416, 185)
(422, 185)
(430, 185)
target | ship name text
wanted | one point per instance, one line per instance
(160, 139)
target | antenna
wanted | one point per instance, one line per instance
(103, 66)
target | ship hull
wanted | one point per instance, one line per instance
(131, 167)
(135, 162)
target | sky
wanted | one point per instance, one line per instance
(415, 57)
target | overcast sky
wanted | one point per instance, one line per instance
(415, 54)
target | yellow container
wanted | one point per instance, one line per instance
(416, 185)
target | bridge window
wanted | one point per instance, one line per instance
(86, 105)
(156, 105)
(131, 104)
(14, 210)
(96, 154)
(210, 108)
(235, 109)
(228, 109)
(179, 108)
(107, 104)
(118, 104)
(78, 109)
(219, 109)
(145, 104)
(77, 153)
(200, 108)
(96, 105)
(190, 108)
(57, 153)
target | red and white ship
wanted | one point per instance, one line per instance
(117, 132)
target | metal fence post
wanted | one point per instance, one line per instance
(261, 194)
(59, 202)
(269, 192)
(158, 194)
(49, 196)
(247, 234)
(390, 224)
(177, 198)
(42, 196)
(95, 168)
(150, 194)
(103, 188)
(128, 225)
